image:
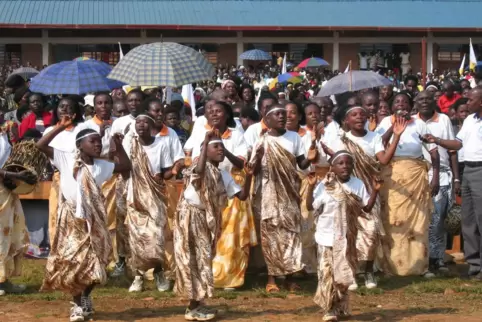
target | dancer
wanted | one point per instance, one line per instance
(198, 223)
(277, 197)
(238, 232)
(368, 151)
(338, 201)
(146, 202)
(12, 220)
(81, 246)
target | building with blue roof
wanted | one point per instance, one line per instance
(47, 31)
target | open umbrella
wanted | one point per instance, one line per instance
(25, 72)
(290, 77)
(353, 81)
(162, 64)
(74, 77)
(313, 62)
(255, 54)
(81, 58)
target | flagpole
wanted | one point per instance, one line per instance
(350, 76)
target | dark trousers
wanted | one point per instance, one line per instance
(472, 217)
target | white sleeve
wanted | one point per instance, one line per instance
(106, 170)
(232, 188)
(60, 160)
(240, 147)
(383, 126)
(299, 146)
(363, 193)
(189, 145)
(378, 144)
(177, 153)
(318, 196)
(450, 131)
(250, 136)
(462, 133)
(165, 157)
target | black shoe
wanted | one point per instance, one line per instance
(440, 266)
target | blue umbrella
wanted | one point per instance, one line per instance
(255, 54)
(74, 77)
(353, 81)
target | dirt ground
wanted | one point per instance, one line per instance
(446, 298)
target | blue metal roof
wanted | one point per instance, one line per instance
(246, 13)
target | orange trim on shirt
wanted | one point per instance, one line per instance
(301, 131)
(164, 131)
(263, 125)
(99, 122)
(434, 118)
(225, 135)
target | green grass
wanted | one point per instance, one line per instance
(33, 271)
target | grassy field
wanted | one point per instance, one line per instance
(445, 298)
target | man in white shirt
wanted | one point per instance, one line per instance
(440, 126)
(470, 138)
(134, 100)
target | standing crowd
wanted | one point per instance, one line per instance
(337, 187)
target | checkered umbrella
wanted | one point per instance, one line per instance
(255, 54)
(25, 72)
(74, 77)
(162, 64)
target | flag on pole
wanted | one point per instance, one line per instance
(462, 65)
(348, 67)
(431, 65)
(188, 96)
(121, 54)
(472, 57)
(283, 69)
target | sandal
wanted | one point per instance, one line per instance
(272, 288)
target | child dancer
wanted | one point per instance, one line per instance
(81, 245)
(198, 223)
(338, 201)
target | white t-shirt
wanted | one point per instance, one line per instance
(471, 137)
(5, 149)
(157, 153)
(325, 233)
(234, 142)
(120, 124)
(176, 152)
(410, 144)
(65, 140)
(371, 143)
(90, 124)
(322, 157)
(253, 134)
(363, 61)
(101, 170)
(405, 58)
(332, 131)
(192, 197)
(440, 126)
(291, 142)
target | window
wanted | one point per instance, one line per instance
(450, 53)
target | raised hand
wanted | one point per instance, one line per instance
(312, 153)
(312, 179)
(377, 183)
(65, 121)
(400, 125)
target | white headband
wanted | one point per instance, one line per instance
(215, 141)
(354, 108)
(431, 86)
(144, 115)
(339, 155)
(276, 109)
(86, 135)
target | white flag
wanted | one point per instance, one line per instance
(188, 95)
(283, 69)
(121, 54)
(462, 66)
(472, 57)
(347, 69)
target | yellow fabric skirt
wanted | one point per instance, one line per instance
(53, 205)
(13, 234)
(238, 234)
(172, 201)
(109, 192)
(406, 211)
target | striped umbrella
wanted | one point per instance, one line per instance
(25, 72)
(255, 54)
(290, 77)
(162, 64)
(74, 77)
(313, 62)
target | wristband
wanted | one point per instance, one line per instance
(438, 141)
(456, 180)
